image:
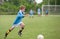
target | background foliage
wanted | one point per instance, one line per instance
(12, 6)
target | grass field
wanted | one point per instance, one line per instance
(49, 26)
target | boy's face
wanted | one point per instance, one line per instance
(23, 10)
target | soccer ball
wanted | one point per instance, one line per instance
(40, 37)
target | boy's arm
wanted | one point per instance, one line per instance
(21, 15)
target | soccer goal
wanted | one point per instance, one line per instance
(52, 9)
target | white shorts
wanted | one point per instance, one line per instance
(16, 25)
(38, 12)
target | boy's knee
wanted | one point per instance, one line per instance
(22, 24)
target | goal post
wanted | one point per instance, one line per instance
(52, 9)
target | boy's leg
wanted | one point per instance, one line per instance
(8, 31)
(22, 27)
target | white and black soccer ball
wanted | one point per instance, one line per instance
(40, 36)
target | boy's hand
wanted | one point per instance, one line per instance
(27, 15)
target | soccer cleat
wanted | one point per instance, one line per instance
(20, 33)
(5, 35)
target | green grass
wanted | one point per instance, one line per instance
(49, 26)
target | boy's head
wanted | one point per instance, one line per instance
(22, 7)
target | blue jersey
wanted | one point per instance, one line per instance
(19, 17)
(38, 9)
(31, 12)
(46, 11)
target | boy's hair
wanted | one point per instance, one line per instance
(22, 7)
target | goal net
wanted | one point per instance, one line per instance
(52, 9)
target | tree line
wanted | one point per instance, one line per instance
(13, 5)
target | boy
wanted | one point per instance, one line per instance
(38, 11)
(46, 12)
(18, 21)
(31, 13)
